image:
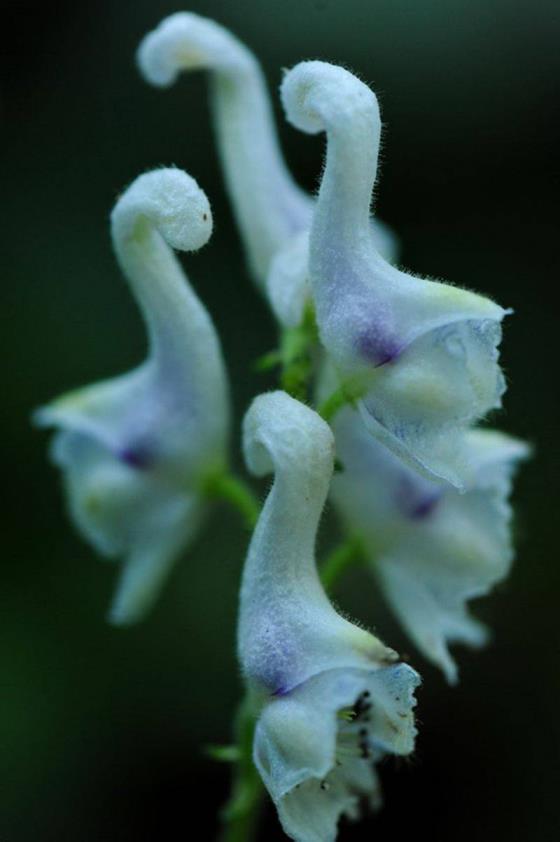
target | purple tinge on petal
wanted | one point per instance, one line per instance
(276, 675)
(426, 506)
(376, 348)
(285, 689)
(135, 457)
(416, 500)
(276, 663)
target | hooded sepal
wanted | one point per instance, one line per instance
(329, 696)
(136, 450)
(424, 352)
(270, 208)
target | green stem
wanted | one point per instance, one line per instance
(348, 553)
(335, 401)
(295, 356)
(241, 813)
(296, 359)
(350, 390)
(237, 493)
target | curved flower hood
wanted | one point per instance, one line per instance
(422, 353)
(431, 547)
(270, 208)
(330, 696)
(136, 450)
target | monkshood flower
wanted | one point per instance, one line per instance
(422, 355)
(272, 212)
(330, 698)
(431, 547)
(137, 450)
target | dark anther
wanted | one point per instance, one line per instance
(361, 707)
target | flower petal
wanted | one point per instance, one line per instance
(432, 547)
(288, 629)
(136, 450)
(423, 353)
(296, 746)
(270, 208)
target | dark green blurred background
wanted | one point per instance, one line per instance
(101, 730)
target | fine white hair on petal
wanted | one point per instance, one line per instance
(187, 41)
(135, 451)
(171, 201)
(288, 628)
(318, 96)
(283, 434)
(270, 208)
(423, 353)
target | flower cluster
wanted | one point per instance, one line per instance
(403, 368)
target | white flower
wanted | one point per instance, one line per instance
(136, 450)
(431, 547)
(273, 213)
(330, 698)
(422, 353)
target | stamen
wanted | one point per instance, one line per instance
(346, 714)
(362, 706)
(363, 743)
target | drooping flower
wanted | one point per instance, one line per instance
(137, 450)
(273, 213)
(331, 699)
(422, 354)
(431, 548)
